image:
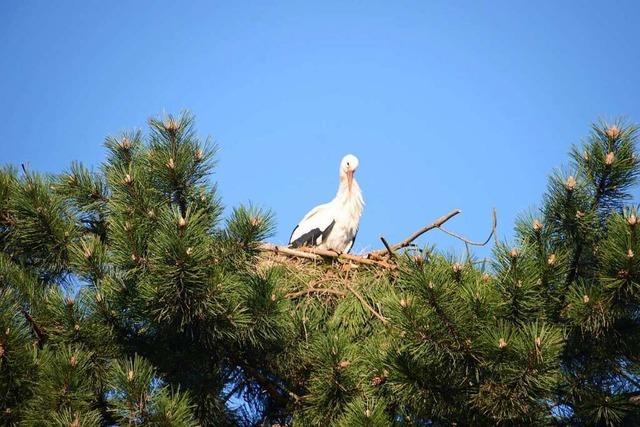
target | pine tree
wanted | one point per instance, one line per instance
(128, 298)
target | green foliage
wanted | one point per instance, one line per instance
(64, 386)
(128, 298)
(138, 398)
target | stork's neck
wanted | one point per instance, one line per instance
(350, 198)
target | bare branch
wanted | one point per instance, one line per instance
(470, 242)
(267, 247)
(386, 245)
(406, 242)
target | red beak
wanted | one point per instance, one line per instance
(350, 179)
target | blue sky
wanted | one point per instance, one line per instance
(448, 105)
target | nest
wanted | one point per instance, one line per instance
(328, 274)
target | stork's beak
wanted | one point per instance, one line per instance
(350, 179)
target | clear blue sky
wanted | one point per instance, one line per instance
(447, 104)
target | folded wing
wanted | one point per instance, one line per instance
(314, 228)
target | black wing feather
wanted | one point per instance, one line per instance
(353, 240)
(310, 238)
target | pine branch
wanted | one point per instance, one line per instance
(575, 260)
(453, 330)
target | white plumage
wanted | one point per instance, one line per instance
(334, 225)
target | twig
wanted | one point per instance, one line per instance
(233, 391)
(314, 290)
(494, 224)
(366, 304)
(318, 253)
(40, 334)
(271, 388)
(406, 242)
(288, 251)
(386, 245)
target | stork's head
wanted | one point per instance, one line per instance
(348, 166)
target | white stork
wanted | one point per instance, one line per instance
(333, 225)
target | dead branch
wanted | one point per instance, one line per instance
(470, 242)
(406, 242)
(318, 254)
(386, 245)
(267, 247)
